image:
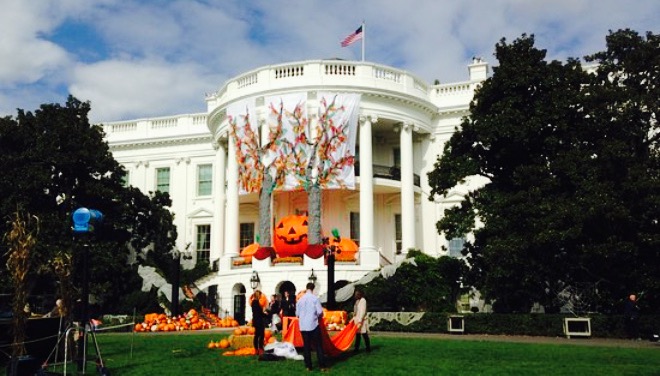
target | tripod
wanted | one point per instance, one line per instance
(80, 349)
(90, 328)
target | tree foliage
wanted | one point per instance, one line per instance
(54, 162)
(571, 160)
(430, 284)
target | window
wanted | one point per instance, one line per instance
(456, 246)
(163, 179)
(204, 180)
(396, 157)
(247, 234)
(397, 233)
(355, 227)
(203, 242)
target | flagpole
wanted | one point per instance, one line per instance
(364, 35)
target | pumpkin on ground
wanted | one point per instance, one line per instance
(291, 236)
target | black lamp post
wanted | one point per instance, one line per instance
(330, 252)
(254, 280)
(84, 223)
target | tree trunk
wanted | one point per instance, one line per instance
(314, 215)
(266, 238)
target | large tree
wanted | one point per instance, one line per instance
(570, 158)
(53, 162)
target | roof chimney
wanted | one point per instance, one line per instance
(478, 69)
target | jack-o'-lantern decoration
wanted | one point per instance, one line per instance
(291, 236)
(347, 249)
(249, 251)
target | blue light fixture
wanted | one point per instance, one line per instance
(85, 219)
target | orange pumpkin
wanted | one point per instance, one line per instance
(211, 345)
(291, 236)
(223, 344)
(271, 340)
(249, 251)
(238, 331)
(347, 249)
(251, 330)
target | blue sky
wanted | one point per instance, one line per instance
(134, 59)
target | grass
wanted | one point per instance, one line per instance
(171, 354)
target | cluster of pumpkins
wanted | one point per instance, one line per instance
(241, 341)
(335, 320)
(290, 240)
(191, 320)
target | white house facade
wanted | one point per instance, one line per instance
(403, 124)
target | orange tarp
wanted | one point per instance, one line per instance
(332, 346)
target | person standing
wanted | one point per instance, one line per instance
(258, 322)
(310, 313)
(631, 316)
(274, 309)
(361, 321)
(288, 304)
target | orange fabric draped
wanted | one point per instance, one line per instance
(332, 346)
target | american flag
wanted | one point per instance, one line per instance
(352, 38)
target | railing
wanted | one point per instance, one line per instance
(163, 123)
(339, 69)
(335, 73)
(124, 127)
(388, 172)
(290, 71)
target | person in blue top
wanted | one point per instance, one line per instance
(310, 315)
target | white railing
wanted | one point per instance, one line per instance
(123, 127)
(311, 73)
(290, 71)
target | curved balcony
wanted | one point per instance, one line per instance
(294, 76)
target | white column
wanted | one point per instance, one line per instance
(217, 249)
(368, 253)
(407, 189)
(231, 217)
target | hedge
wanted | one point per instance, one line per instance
(547, 325)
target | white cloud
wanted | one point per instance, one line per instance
(160, 58)
(25, 55)
(120, 90)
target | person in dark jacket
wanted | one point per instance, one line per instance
(289, 304)
(631, 317)
(258, 322)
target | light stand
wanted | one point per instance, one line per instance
(84, 222)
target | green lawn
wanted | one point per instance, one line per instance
(171, 354)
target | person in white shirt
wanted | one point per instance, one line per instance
(361, 321)
(310, 314)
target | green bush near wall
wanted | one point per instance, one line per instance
(546, 325)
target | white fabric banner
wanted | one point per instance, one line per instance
(338, 115)
(288, 125)
(323, 145)
(298, 145)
